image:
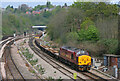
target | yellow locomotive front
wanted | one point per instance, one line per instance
(84, 62)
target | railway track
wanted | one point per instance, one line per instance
(93, 76)
(62, 68)
(12, 71)
(4, 41)
(52, 62)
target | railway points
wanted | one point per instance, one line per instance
(2, 46)
(11, 69)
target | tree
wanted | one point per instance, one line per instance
(23, 8)
(65, 4)
(39, 7)
(72, 36)
(47, 14)
(88, 31)
(9, 8)
(86, 23)
(48, 4)
(56, 28)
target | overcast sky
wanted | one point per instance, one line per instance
(56, 0)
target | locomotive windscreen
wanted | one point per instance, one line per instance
(82, 53)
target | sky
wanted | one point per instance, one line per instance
(32, 3)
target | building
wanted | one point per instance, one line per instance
(36, 12)
(28, 12)
(111, 60)
(112, 63)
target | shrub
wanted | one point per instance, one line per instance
(72, 36)
(90, 34)
(110, 45)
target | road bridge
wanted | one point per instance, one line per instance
(39, 27)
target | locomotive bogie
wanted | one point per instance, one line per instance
(84, 68)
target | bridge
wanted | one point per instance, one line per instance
(39, 27)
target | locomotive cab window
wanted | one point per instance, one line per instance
(71, 56)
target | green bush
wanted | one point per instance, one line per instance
(110, 45)
(50, 78)
(33, 62)
(86, 23)
(72, 36)
(91, 33)
(41, 69)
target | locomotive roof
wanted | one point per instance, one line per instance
(71, 48)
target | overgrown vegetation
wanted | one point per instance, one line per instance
(27, 54)
(52, 79)
(15, 20)
(29, 57)
(87, 25)
(40, 69)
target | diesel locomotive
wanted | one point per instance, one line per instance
(76, 57)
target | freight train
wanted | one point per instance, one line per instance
(75, 57)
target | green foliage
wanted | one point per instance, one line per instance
(14, 23)
(41, 69)
(56, 10)
(33, 62)
(110, 45)
(50, 78)
(32, 71)
(93, 10)
(48, 4)
(78, 23)
(88, 31)
(27, 54)
(92, 33)
(65, 23)
(16, 20)
(38, 7)
(86, 23)
(23, 8)
(60, 79)
(47, 14)
(72, 36)
(9, 8)
(56, 24)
